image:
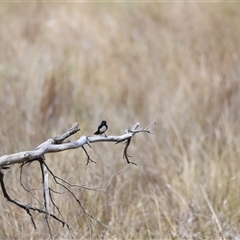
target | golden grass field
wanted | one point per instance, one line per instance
(177, 63)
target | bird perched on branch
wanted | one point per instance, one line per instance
(102, 128)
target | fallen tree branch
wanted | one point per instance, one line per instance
(57, 144)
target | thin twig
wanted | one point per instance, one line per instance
(88, 157)
(125, 154)
(26, 207)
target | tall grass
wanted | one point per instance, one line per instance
(177, 63)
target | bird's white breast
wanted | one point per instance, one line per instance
(103, 129)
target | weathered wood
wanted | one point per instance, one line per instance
(56, 144)
(53, 145)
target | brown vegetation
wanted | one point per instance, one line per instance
(177, 63)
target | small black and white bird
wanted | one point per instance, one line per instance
(102, 128)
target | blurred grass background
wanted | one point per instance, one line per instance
(177, 63)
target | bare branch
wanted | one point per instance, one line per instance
(19, 204)
(26, 207)
(134, 128)
(50, 145)
(70, 132)
(45, 189)
(57, 144)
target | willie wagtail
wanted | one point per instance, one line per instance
(102, 128)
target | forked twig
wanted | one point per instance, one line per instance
(125, 154)
(88, 157)
(128, 140)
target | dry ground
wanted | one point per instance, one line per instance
(177, 63)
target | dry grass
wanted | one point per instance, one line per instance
(177, 63)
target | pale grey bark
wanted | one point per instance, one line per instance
(51, 145)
